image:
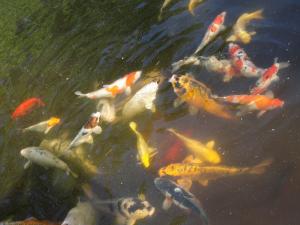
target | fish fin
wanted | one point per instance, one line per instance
(69, 171)
(177, 102)
(153, 152)
(222, 27)
(153, 108)
(243, 110)
(27, 164)
(260, 168)
(188, 159)
(48, 129)
(149, 105)
(227, 78)
(185, 183)
(130, 221)
(79, 93)
(269, 94)
(97, 130)
(262, 112)
(167, 203)
(128, 91)
(210, 144)
(193, 110)
(284, 65)
(203, 182)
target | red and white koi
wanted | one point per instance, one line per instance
(120, 86)
(85, 134)
(242, 62)
(268, 77)
(213, 30)
(250, 103)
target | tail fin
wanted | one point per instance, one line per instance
(283, 65)
(260, 168)
(75, 175)
(133, 125)
(256, 15)
(79, 93)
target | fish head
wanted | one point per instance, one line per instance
(220, 18)
(132, 77)
(53, 121)
(25, 152)
(234, 49)
(174, 79)
(214, 157)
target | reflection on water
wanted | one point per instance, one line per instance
(50, 49)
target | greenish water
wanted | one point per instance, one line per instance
(50, 49)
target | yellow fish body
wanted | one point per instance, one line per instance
(205, 153)
(204, 174)
(240, 32)
(145, 152)
(197, 96)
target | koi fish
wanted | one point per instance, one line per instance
(250, 103)
(145, 152)
(127, 210)
(107, 110)
(45, 159)
(30, 221)
(82, 214)
(197, 96)
(180, 197)
(193, 4)
(112, 90)
(194, 60)
(44, 126)
(85, 133)
(223, 67)
(206, 153)
(173, 153)
(242, 63)
(213, 30)
(142, 100)
(26, 107)
(268, 77)
(204, 174)
(240, 32)
(165, 5)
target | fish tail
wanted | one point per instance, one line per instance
(79, 93)
(133, 125)
(283, 65)
(256, 14)
(204, 217)
(260, 168)
(75, 175)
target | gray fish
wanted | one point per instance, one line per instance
(82, 214)
(180, 197)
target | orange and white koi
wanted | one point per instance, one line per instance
(85, 134)
(250, 103)
(112, 90)
(197, 96)
(239, 29)
(222, 66)
(242, 62)
(213, 30)
(268, 77)
(44, 126)
(30, 221)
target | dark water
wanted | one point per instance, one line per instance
(50, 49)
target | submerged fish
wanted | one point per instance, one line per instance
(204, 174)
(268, 77)
(126, 210)
(82, 214)
(165, 5)
(242, 62)
(107, 110)
(142, 100)
(26, 107)
(194, 60)
(205, 153)
(180, 197)
(197, 96)
(222, 66)
(193, 4)
(45, 159)
(85, 133)
(112, 90)
(30, 221)
(213, 30)
(250, 103)
(44, 126)
(145, 152)
(240, 32)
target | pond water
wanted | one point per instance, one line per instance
(50, 49)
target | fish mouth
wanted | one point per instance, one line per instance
(23, 152)
(173, 79)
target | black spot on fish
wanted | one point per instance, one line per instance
(138, 205)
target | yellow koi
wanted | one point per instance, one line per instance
(197, 96)
(239, 29)
(205, 153)
(145, 152)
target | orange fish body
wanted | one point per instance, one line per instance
(31, 221)
(199, 96)
(26, 107)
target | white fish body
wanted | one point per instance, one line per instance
(45, 158)
(41, 127)
(82, 214)
(101, 93)
(142, 100)
(107, 110)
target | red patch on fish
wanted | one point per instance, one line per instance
(270, 72)
(130, 79)
(219, 19)
(239, 64)
(26, 107)
(213, 28)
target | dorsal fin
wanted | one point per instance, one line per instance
(210, 144)
(269, 94)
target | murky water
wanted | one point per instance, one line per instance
(50, 49)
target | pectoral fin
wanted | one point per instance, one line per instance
(97, 130)
(167, 203)
(261, 113)
(193, 110)
(128, 91)
(27, 164)
(177, 102)
(203, 182)
(210, 144)
(185, 183)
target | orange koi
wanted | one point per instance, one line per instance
(26, 107)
